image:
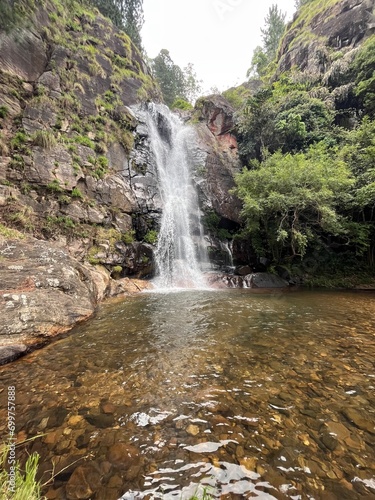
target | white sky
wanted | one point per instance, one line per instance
(217, 36)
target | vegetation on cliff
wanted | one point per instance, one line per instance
(66, 129)
(307, 139)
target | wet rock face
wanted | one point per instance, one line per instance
(252, 280)
(341, 25)
(23, 53)
(216, 159)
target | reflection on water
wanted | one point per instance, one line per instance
(267, 396)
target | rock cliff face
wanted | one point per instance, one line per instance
(321, 30)
(67, 81)
(216, 163)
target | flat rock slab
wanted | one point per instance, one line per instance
(43, 292)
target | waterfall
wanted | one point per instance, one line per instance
(181, 248)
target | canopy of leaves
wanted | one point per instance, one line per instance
(174, 82)
(289, 201)
(364, 69)
(271, 35)
(282, 116)
(125, 14)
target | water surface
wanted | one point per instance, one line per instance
(257, 395)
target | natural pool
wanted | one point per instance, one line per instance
(257, 395)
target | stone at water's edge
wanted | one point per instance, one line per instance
(253, 281)
(44, 292)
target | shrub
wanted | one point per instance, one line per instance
(76, 193)
(44, 139)
(18, 140)
(128, 237)
(3, 111)
(85, 141)
(180, 103)
(151, 237)
(55, 187)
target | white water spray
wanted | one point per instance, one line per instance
(181, 249)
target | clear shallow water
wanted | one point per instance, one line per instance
(258, 395)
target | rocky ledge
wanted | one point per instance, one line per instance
(252, 280)
(45, 292)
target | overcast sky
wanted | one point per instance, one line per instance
(217, 36)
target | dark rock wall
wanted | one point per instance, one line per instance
(318, 31)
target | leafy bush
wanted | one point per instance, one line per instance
(181, 103)
(4, 111)
(151, 237)
(289, 200)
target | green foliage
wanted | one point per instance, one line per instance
(273, 31)
(4, 110)
(363, 68)
(61, 222)
(283, 116)
(211, 221)
(290, 200)
(180, 103)
(76, 193)
(174, 82)
(18, 141)
(14, 13)
(151, 237)
(125, 14)
(237, 96)
(85, 141)
(9, 234)
(45, 139)
(271, 36)
(26, 485)
(55, 186)
(128, 237)
(116, 271)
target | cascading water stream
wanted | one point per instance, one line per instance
(181, 249)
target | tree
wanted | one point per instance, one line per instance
(169, 76)
(259, 63)
(273, 31)
(192, 86)
(133, 20)
(271, 36)
(289, 201)
(125, 14)
(174, 82)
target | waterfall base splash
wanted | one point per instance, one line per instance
(181, 250)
